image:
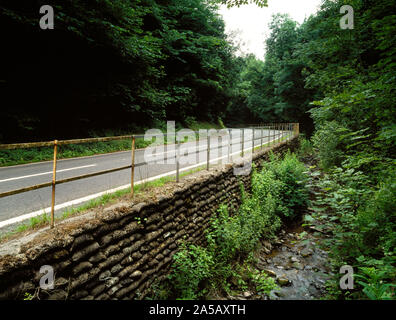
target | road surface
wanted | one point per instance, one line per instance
(18, 208)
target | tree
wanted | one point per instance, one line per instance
(135, 62)
(238, 3)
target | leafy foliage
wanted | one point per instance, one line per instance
(238, 3)
(355, 138)
(139, 62)
(345, 80)
(365, 232)
(264, 283)
(233, 237)
(287, 184)
(273, 90)
(191, 265)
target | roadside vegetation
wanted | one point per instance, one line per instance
(224, 263)
(340, 85)
(354, 214)
(356, 209)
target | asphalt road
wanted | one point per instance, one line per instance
(17, 208)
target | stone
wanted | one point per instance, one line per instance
(81, 267)
(137, 255)
(58, 295)
(283, 281)
(104, 275)
(79, 294)
(266, 251)
(97, 258)
(116, 268)
(262, 260)
(247, 294)
(98, 289)
(294, 259)
(136, 274)
(60, 254)
(270, 273)
(60, 282)
(267, 245)
(114, 289)
(297, 265)
(112, 281)
(306, 252)
(87, 250)
(82, 239)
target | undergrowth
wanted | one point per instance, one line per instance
(224, 263)
(359, 209)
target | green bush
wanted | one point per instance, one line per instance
(264, 284)
(232, 237)
(289, 188)
(327, 142)
(305, 147)
(191, 265)
(374, 283)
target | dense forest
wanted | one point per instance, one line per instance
(112, 65)
(130, 65)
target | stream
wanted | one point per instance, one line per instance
(300, 267)
(296, 261)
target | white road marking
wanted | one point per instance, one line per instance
(96, 195)
(192, 148)
(49, 172)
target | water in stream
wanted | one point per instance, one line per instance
(299, 265)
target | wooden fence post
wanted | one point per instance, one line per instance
(133, 165)
(208, 152)
(229, 145)
(177, 161)
(53, 184)
(279, 136)
(274, 132)
(243, 140)
(252, 140)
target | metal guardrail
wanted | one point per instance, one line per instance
(276, 131)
